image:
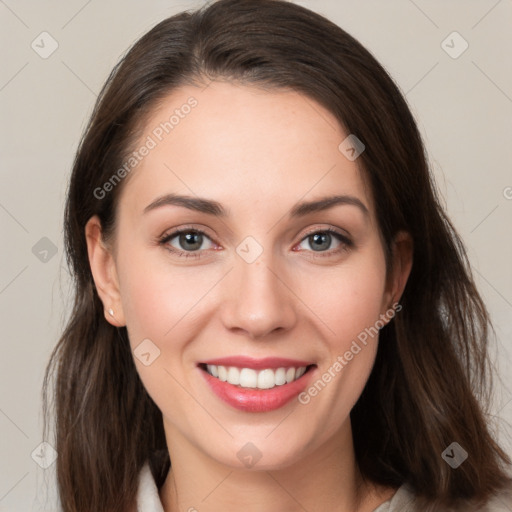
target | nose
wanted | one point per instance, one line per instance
(257, 300)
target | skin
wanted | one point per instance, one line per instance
(258, 154)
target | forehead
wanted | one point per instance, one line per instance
(239, 143)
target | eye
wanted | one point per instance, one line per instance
(326, 240)
(187, 241)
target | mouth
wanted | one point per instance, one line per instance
(253, 385)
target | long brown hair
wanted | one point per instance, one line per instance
(431, 374)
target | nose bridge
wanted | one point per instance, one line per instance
(257, 300)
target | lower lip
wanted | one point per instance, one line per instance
(257, 400)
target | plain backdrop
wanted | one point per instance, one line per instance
(462, 101)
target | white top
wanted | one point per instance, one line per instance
(148, 499)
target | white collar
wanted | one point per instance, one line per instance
(148, 499)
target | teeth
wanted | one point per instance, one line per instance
(223, 373)
(249, 378)
(266, 379)
(280, 376)
(233, 375)
(212, 370)
(290, 375)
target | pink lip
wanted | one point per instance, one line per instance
(258, 364)
(257, 400)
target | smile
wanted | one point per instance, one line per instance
(256, 385)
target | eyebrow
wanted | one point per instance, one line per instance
(192, 203)
(305, 208)
(211, 207)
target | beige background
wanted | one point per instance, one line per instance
(463, 107)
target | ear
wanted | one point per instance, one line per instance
(103, 268)
(401, 264)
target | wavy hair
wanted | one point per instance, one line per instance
(431, 377)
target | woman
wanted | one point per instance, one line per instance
(272, 310)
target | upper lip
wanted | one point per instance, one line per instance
(257, 364)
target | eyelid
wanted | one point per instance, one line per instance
(329, 229)
(199, 228)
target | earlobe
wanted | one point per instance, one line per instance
(104, 272)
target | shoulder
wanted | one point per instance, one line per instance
(404, 500)
(501, 502)
(148, 499)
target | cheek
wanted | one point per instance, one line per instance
(348, 298)
(145, 305)
(157, 297)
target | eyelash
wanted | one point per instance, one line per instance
(345, 242)
(187, 254)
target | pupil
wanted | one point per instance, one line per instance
(320, 241)
(191, 241)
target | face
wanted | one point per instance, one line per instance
(247, 249)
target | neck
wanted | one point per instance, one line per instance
(327, 479)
